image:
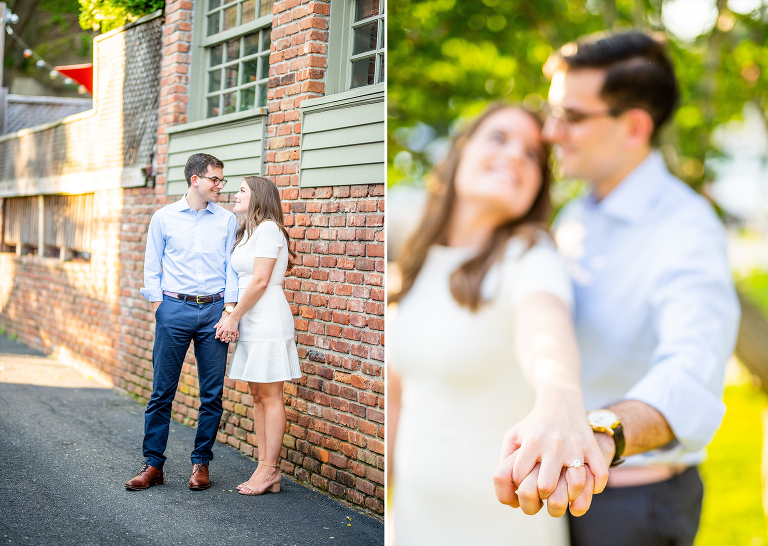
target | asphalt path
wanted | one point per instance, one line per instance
(68, 444)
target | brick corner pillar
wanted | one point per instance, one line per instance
(174, 82)
(335, 436)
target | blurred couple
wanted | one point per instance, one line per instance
(606, 348)
(212, 281)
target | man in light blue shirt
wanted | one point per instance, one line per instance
(656, 313)
(188, 278)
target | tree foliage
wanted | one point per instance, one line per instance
(448, 58)
(105, 15)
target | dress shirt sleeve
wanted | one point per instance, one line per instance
(696, 318)
(230, 290)
(153, 260)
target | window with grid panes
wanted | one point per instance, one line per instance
(237, 66)
(368, 33)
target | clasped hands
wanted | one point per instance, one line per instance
(534, 465)
(226, 328)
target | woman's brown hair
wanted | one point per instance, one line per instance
(466, 281)
(264, 205)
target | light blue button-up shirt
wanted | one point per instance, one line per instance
(656, 311)
(189, 252)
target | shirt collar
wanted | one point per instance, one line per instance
(629, 200)
(183, 204)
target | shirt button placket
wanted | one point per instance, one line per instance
(198, 256)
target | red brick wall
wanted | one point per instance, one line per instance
(93, 313)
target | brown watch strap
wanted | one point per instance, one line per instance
(618, 440)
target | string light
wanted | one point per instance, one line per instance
(40, 63)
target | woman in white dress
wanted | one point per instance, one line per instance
(481, 339)
(265, 355)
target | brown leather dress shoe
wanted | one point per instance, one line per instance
(199, 479)
(148, 477)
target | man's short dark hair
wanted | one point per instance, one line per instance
(197, 165)
(639, 72)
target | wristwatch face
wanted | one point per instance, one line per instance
(602, 418)
(229, 308)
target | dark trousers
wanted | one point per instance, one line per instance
(659, 514)
(176, 324)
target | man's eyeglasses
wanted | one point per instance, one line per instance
(217, 181)
(572, 117)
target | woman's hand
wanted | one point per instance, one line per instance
(226, 329)
(555, 433)
(535, 458)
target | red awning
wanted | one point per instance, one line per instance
(81, 73)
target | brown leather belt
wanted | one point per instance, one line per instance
(197, 299)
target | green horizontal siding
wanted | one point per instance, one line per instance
(343, 144)
(339, 118)
(356, 154)
(343, 176)
(226, 153)
(240, 145)
(342, 137)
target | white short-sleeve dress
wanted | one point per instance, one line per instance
(462, 390)
(266, 349)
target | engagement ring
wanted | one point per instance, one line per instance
(576, 464)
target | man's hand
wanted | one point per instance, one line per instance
(155, 305)
(607, 446)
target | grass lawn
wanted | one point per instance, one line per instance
(733, 511)
(755, 285)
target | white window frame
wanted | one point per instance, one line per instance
(201, 56)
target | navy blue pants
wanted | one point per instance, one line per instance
(177, 323)
(659, 514)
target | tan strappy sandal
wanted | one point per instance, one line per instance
(245, 483)
(273, 487)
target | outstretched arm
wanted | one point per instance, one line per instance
(556, 431)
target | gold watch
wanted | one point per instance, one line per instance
(229, 309)
(604, 420)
